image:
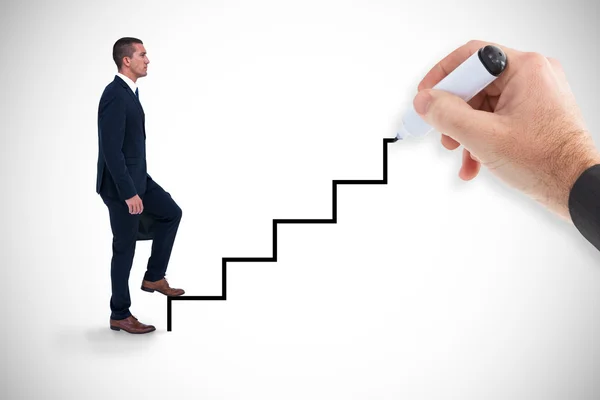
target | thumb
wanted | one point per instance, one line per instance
(454, 117)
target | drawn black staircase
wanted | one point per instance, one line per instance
(276, 222)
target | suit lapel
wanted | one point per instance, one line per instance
(135, 100)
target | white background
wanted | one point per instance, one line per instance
(426, 288)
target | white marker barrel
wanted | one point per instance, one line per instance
(468, 79)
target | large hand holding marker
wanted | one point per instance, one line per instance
(466, 81)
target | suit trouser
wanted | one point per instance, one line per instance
(167, 215)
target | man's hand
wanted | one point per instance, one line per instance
(135, 205)
(525, 127)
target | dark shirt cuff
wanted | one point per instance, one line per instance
(584, 205)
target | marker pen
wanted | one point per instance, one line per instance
(468, 79)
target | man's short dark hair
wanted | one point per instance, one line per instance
(124, 48)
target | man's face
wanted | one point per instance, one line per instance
(138, 63)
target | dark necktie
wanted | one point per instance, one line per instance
(137, 94)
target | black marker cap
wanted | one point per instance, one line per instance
(493, 58)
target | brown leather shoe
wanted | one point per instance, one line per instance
(131, 325)
(161, 286)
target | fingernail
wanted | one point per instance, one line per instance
(422, 101)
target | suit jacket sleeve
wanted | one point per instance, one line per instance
(584, 205)
(112, 134)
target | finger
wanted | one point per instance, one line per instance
(449, 114)
(459, 55)
(484, 102)
(470, 168)
(490, 103)
(478, 102)
(130, 208)
(474, 157)
(449, 143)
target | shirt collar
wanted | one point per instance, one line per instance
(129, 82)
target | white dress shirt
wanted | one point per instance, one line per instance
(129, 82)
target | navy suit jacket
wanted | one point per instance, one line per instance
(122, 170)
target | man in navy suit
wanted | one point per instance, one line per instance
(139, 208)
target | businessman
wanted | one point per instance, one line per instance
(138, 207)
